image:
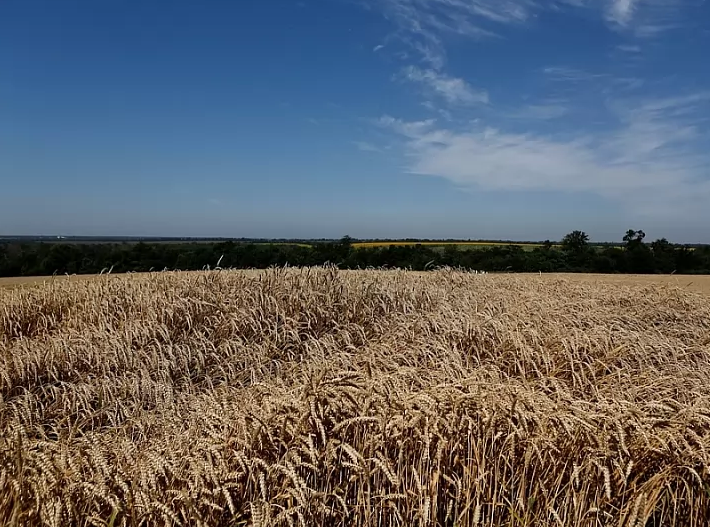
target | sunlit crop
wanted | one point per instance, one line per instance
(323, 397)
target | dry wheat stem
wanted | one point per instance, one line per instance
(323, 397)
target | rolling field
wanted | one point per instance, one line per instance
(368, 398)
(694, 283)
(15, 281)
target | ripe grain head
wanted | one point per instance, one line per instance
(316, 396)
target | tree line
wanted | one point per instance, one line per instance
(573, 254)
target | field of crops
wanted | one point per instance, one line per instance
(368, 245)
(323, 397)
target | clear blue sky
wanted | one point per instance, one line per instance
(516, 119)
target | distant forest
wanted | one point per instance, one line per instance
(574, 253)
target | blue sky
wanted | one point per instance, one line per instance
(514, 119)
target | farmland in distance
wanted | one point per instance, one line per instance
(462, 245)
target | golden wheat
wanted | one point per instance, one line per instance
(321, 397)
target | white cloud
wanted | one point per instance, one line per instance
(571, 74)
(378, 48)
(423, 23)
(646, 154)
(650, 162)
(432, 53)
(452, 89)
(408, 129)
(365, 146)
(581, 80)
(621, 11)
(539, 112)
(646, 18)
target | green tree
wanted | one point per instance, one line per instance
(640, 257)
(576, 242)
(662, 246)
(451, 255)
(664, 255)
(634, 238)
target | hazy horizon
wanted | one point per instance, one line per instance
(118, 237)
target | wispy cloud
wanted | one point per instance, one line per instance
(645, 153)
(365, 146)
(651, 161)
(628, 48)
(456, 16)
(571, 74)
(408, 129)
(539, 112)
(453, 90)
(645, 18)
(423, 24)
(581, 80)
(621, 11)
(378, 48)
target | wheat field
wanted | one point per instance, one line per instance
(373, 398)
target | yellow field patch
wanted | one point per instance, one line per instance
(439, 244)
(375, 244)
(368, 245)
